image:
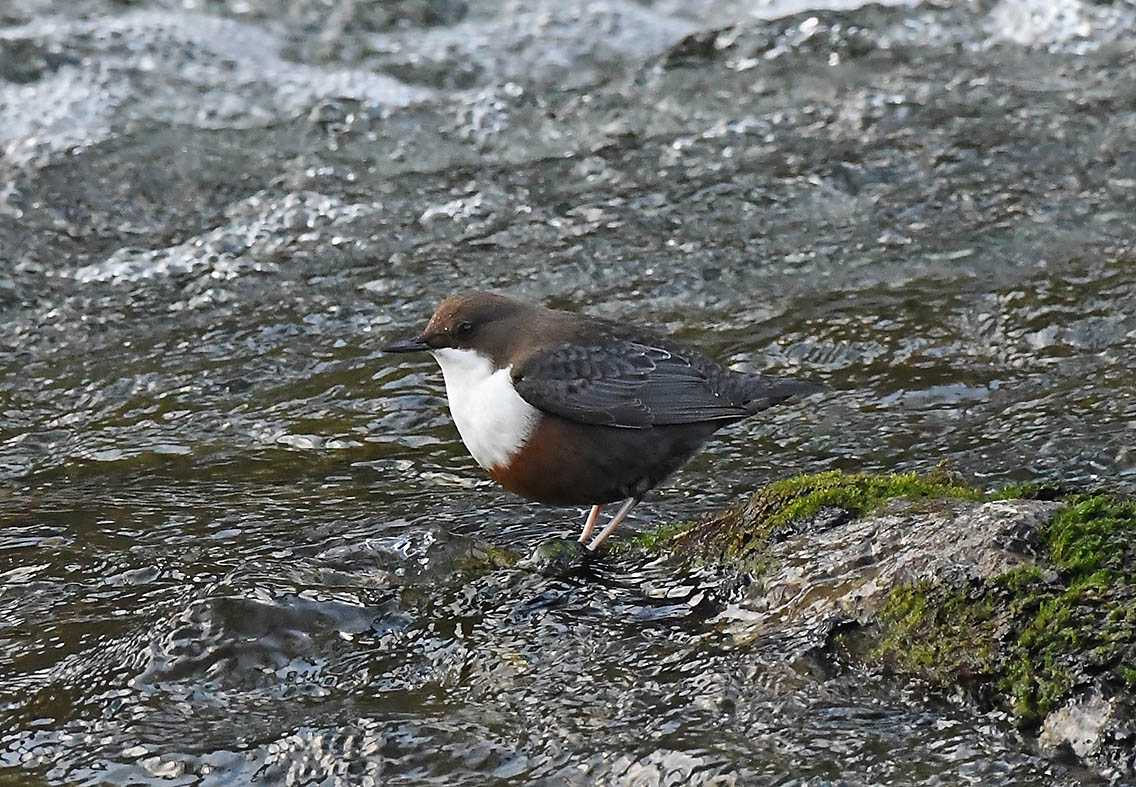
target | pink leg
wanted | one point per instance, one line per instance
(590, 524)
(620, 515)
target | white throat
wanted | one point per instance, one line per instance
(492, 418)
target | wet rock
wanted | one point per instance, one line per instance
(849, 571)
(1024, 605)
(1095, 726)
(559, 557)
(424, 555)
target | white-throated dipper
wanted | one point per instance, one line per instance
(568, 409)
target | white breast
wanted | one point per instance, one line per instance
(492, 418)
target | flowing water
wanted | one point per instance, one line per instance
(238, 543)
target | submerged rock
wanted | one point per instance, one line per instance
(1022, 605)
(559, 557)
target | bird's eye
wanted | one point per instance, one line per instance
(463, 328)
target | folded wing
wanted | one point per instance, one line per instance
(632, 385)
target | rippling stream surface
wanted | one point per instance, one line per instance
(237, 543)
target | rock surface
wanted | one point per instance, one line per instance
(1020, 605)
(558, 557)
(850, 571)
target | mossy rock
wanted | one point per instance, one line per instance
(1026, 639)
(738, 535)
(1022, 599)
(481, 558)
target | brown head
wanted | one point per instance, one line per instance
(483, 321)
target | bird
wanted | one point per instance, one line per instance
(572, 410)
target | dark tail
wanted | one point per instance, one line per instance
(761, 392)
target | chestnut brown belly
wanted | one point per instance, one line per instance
(565, 463)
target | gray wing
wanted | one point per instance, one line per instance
(627, 384)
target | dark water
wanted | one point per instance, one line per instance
(237, 542)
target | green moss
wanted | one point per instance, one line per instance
(1094, 534)
(483, 558)
(741, 533)
(1019, 579)
(961, 645)
(1031, 634)
(1018, 685)
(1026, 491)
(659, 538)
(859, 494)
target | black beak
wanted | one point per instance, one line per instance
(415, 345)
